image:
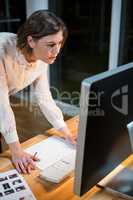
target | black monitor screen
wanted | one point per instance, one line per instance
(106, 107)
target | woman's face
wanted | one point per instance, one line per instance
(47, 47)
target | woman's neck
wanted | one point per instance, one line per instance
(29, 57)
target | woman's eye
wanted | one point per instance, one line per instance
(51, 45)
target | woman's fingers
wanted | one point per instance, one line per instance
(17, 167)
(24, 163)
(71, 139)
(32, 163)
(75, 139)
(22, 167)
(29, 168)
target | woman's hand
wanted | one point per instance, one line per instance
(23, 161)
(68, 135)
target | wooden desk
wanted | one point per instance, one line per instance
(64, 190)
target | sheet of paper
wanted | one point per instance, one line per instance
(14, 187)
(51, 150)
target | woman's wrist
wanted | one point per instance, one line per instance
(15, 146)
(65, 130)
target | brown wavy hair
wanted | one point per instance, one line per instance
(41, 23)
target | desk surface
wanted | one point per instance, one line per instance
(64, 190)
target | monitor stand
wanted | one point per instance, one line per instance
(121, 184)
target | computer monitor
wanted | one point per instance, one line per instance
(106, 107)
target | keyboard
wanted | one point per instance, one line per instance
(59, 170)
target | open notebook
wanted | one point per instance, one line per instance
(51, 150)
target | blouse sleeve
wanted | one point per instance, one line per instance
(46, 102)
(7, 119)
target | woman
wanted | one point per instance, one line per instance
(23, 61)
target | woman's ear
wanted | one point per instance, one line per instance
(30, 41)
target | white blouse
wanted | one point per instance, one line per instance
(15, 74)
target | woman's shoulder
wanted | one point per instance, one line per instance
(6, 37)
(7, 42)
(7, 34)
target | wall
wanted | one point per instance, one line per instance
(33, 5)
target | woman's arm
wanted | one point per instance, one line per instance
(48, 105)
(7, 119)
(8, 127)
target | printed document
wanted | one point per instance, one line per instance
(14, 187)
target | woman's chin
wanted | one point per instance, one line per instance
(48, 61)
(51, 61)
